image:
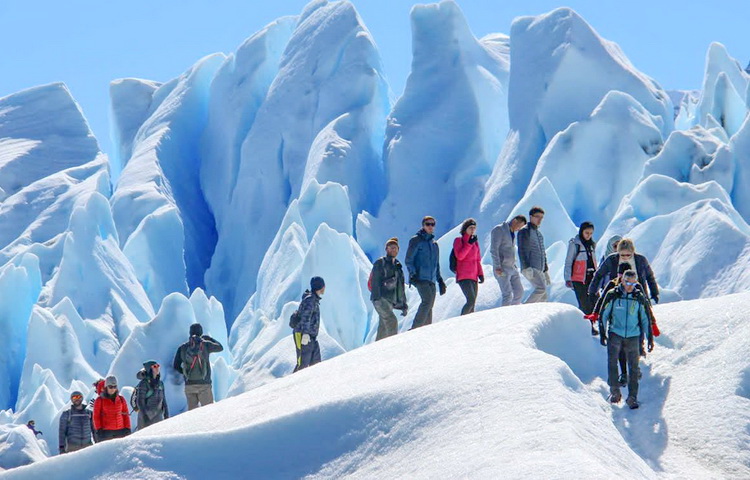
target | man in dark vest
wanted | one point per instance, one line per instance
(191, 360)
(76, 426)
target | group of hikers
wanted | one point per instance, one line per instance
(107, 415)
(613, 294)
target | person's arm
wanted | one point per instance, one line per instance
(479, 262)
(93, 430)
(461, 248)
(305, 315)
(569, 261)
(97, 414)
(212, 346)
(177, 363)
(594, 285)
(410, 253)
(63, 429)
(496, 243)
(438, 275)
(523, 248)
(377, 279)
(124, 411)
(653, 288)
(142, 389)
(166, 407)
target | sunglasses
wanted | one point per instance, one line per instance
(111, 386)
(76, 397)
(429, 224)
(626, 255)
(156, 365)
(630, 284)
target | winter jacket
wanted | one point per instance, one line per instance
(423, 258)
(580, 263)
(468, 258)
(387, 271)
(210, 346)
(76, 427)
(151, 399)
(503, 247)
(625, 314)
(608, 271)
(531, 248)
(111, 412)
(309, 314)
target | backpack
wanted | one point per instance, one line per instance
(388, 283)
(134, 399)
(194, 366)
(453, 261)
(295, 318)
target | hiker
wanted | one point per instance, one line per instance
(580, 266)
(626, 254)
(503, 250)
(76, 425)
(533, 256)
(623, 321)
(307, 326)
(423, 263)
(469, 273)
(150, 397)
(191, 360)
(387, 290)
(111, 418)
(611, 248)
(31, 424)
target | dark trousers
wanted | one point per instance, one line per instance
(306, 354)
(110, 434)
(632, 348)
(585, 302)
(424, 313)
(470, 289)
(388, 324)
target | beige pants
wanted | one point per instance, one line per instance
(198, 394)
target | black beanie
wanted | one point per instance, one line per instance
(316, 283)
(196, 329)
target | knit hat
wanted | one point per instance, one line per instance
(391, 241)
(317, 283)
(148, 363)
(196, 329)
(76, 394)
(110, 381)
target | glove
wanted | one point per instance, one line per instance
(305, 339)
(441, 286)
(481, 278)
(569, 284)
(655, 298)
(62, 450)
(412, 279)
(651, 345)
(655, 329)
(404, 311)
(603, 339)
(473, 239)
(592, 317)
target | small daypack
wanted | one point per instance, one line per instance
(294, 319)
(194, 366)
(453, 261)
(388, 283)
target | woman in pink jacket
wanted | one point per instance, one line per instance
(468, 263)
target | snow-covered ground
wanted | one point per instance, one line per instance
(513, 392)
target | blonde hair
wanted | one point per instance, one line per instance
(626, 244)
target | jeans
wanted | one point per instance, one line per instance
(470, 289)
(632, 348)
(510, 287)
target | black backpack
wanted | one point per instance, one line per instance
(453, 261)
(294, 319)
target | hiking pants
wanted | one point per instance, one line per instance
(632, 349)
(72, 447)
(539, 280)
(198, 393)
(427, 292)
(110, 434)
(307, 355)
(510, 286)
(470, 289)
(585, 304)
(388, 324)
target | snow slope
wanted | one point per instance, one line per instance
(514, 392)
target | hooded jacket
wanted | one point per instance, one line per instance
(309, 314)
(151, 399)
(580, 264)
(625, 314)
(386, 271)
(423, 258)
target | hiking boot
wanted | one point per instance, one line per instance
(623, 379)
(615, 397)
(632, 403)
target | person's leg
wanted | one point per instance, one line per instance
(623, 367)
(516, 286)
(388, 323)
(538, 281)
(306, 354)
(503, 281)
(580, 290)
(468, 287)
(206, 394)
(426, 292)
(633, 353)
(191, 393)
(315, 353)
(614, 346)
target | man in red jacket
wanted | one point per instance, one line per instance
(111, 418)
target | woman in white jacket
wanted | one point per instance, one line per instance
(580, 265)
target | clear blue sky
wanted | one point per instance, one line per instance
(88, 44)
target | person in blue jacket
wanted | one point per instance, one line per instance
(306, 330)
(623, 320)
(422, 261)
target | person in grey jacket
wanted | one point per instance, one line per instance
(387, 290)
(76, 426)
(503, 250)
(580, 265)
(150, 395)
(533, 256)
(422, 261)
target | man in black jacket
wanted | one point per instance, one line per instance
(191, 360)
(387, 286)
(76, 426)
